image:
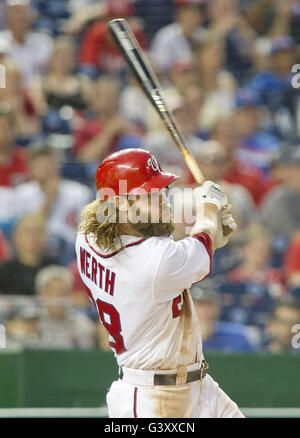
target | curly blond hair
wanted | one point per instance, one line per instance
(107, 233)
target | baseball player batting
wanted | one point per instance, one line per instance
(138, 278)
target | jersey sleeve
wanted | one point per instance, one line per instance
(182, 263)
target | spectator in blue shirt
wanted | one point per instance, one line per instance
(218, 335)
(256, 146)
(274, 87)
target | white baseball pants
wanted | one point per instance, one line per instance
(192, 400)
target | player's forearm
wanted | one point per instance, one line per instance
(207, 221)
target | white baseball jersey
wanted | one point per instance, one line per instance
(142, 297)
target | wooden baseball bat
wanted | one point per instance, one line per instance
(143, 72)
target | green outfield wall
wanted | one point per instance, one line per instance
(39, 378)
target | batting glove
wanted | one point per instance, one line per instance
(225, 220)
(212, 193)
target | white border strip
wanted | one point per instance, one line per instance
(102, 412)
(271, 412)
(53, 412)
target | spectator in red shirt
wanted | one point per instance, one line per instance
(225, 132)
(292, 262)
(13, 159)
(5, 252)
(102, 135)
(98, 52)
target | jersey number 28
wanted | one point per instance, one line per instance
(113, 327)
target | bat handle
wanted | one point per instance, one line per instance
(199, 178)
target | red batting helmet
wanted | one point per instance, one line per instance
(132, 171)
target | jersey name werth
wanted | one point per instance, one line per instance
(103, 277)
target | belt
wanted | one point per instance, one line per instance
(171, 377)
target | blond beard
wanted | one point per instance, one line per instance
(154, 230)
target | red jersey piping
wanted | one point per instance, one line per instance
(106, 256)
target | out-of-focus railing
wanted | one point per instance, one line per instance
(44, 322)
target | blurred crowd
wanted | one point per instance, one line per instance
(230, 70)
